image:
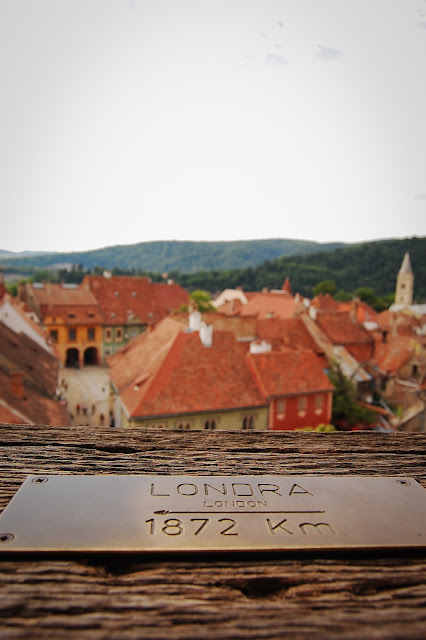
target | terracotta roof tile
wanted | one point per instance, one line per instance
(341, 329)
(144, 354)
(123, 299)
(290, 331)
(20, 352)
(170, 371)
(325, 302)
(265, 305)
(169, 297)
(33, 405)
(393, 354)
(290, 372)
(195, 378)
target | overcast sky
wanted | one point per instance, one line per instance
(125, 121)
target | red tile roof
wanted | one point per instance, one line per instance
(359, 309)
(266, 305)
(144, 354)
(325, 302)
(33, 407)
(20, 352)
(169, 297)
(123, 299)
(177, 374)
(289, 372)
(341, 329)
(393, 354)
(72, 305)
(290, 331)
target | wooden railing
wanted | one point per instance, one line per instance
(304, 595)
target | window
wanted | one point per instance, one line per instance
(184, 426)
(210, 424)
(302, 405)
(90, 333)
(108, 335)
(72, 334)
(119, 335)
(247, 422)
(281, 408)
(54, 335)
(319, 404)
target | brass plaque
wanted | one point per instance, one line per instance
(213, 513)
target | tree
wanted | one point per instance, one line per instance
(326, 286)
(345, 406)
(202, 300)
(366, 294)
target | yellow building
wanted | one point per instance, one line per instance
(71, 317)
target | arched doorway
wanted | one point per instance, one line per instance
(73, 358)
(91, 356)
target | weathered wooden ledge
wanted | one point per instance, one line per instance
(361, 595)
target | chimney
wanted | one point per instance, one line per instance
(353, 313)
(17, 383)
(206, 334)
(260, 347)
(195, 321)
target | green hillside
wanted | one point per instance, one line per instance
(182, 256)
(373, 264)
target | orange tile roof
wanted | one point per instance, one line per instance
(325, 302)
(8, 416)
(393, 354)
(169, 297)
(181, 375)
(143, 354)
(18, 351)
(289, 372)
(22, 309)
(265, 305)
(341, 329)
(123, 299)
(243, 327)
(230, 308)
(290, 331)
(51, 294)
(36, 407)
(363, 312)
(70, 305)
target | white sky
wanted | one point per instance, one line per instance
(125, 121)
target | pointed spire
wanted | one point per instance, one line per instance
(286, 286)
(406, 264)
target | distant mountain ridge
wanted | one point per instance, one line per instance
(174, 255)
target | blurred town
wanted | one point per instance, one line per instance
(122, 351)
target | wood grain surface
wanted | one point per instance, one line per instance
(321, 595)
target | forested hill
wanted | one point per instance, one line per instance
(373, 264)
(182, 256)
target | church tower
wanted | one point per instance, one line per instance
(405, 283)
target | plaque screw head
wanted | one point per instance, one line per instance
(6, 537)
(404, 482)
(39, 480)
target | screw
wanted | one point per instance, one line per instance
(6, 537)
(39, 480)
(403, 482)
